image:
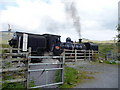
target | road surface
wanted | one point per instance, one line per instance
(106, 75)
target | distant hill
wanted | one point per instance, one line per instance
(106, 41)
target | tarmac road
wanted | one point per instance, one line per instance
(106, 75)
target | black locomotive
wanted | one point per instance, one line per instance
(39, 43)
(46, 43)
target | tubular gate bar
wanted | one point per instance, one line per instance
(26, 56)
(47, 69)
(67, 54)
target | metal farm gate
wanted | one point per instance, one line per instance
(17, 67)
(48, 73)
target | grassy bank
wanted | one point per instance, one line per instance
(106, 47)
(72, 77)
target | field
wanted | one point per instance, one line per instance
(97, 41)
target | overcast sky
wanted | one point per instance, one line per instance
(98, 18)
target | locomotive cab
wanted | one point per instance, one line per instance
(53, 43)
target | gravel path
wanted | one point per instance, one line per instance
(106, 75)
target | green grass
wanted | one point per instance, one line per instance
(6, 86)
(4, 46)
(58, 76)
(110, 62)
(72, 77)
(31, 83)
(105, 47)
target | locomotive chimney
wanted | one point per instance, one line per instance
(80, 40)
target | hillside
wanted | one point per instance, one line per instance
(5, 36)
(105, 41)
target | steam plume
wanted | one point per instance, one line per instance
(72, 11)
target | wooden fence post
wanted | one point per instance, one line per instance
(75, 55)
(84, 55)
(27, 66)
(26, 83)
(93, 55)
(89, 55)
(10, 52)
(64, 56)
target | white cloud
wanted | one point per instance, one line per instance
(30, 14)
(99, 34)
(36, 16)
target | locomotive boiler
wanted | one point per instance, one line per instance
(70, 45)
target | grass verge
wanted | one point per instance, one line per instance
(7, 86)
(72, 77)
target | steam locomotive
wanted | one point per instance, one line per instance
(41, 44)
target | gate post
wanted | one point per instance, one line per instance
(27, 66)
(10, 52)
(26, 71)
(64, 56)
(62, 65)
